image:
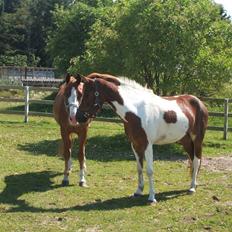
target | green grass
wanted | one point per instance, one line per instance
(32, 199)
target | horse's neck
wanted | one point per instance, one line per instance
(133, 99)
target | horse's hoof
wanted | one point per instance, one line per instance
(152, 202)
(83, 184)
(137, 195)
(192, 191)
(65, 183)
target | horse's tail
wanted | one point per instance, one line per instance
(61, 147)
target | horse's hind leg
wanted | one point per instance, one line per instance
(67, 143)
(188, 145)
(81, 156)
(196, 163)
(194, 150)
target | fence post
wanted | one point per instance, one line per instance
(26, 107)
(226, 114)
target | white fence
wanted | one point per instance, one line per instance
(27, 101)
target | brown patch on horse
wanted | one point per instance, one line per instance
(170, 116)
(111, 92)
(108, 90)
(136, 134)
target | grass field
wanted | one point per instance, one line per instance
(32, 199)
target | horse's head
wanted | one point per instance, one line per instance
(72, 95)
(91, 101)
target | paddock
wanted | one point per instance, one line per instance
(31, 191)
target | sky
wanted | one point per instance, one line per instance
(227, 4)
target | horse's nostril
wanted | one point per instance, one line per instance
(80, 117)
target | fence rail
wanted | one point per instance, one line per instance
(226, 114)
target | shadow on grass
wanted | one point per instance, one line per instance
(105, 149)
(128, 202)
(47, 147)
(33, 107)
(10, 123)
(20, 184)
(37, 107)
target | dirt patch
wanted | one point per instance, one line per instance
(218, 164)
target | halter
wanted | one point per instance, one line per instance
(92, 112)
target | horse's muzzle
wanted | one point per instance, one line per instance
(80, 116)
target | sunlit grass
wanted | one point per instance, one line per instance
(32, 198)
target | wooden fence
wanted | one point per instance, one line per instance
(26, 100)
(226, 114)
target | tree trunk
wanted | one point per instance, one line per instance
(157, 83)
(148, 77)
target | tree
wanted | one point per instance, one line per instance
(72, 28)
(14, 32)
(172, 46)
(10, 6)
(24, 30)
(40, 25)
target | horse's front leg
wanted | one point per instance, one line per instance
(139, 159)
(149, 159)
(67, 143)
(81, 156)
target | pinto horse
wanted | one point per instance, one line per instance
(148, 119)
(64, 109)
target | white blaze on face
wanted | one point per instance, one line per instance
(73, 105)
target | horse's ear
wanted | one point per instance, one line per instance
(78, 77)
(67, 78)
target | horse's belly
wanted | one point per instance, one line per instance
(165, 139)
(171, 133)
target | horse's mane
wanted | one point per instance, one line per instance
(106, 77)
(123, 81)
(133, 84)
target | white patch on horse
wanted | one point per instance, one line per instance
(70, 164)
(73, 102)
(150, 108)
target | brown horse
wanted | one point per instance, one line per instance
(64, 109)
(148, 119)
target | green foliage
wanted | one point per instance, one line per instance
(18, 60)
(24, 30)
(41, 23)
(13, 32)
(72, 27)
(172, 47)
